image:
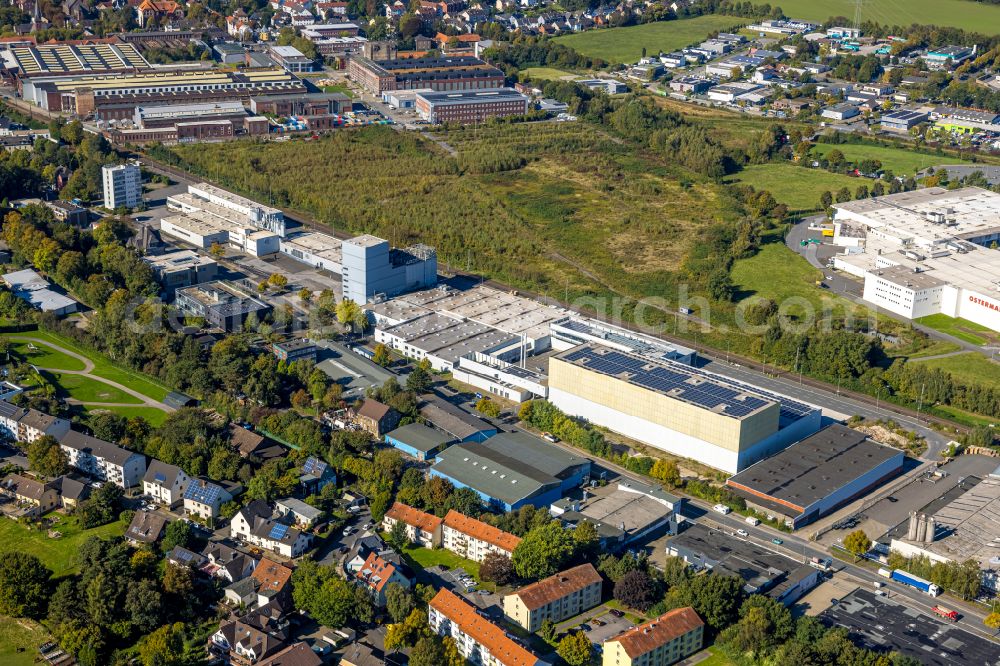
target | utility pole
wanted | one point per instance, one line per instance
(920, 403)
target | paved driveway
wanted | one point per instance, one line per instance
(612, 627)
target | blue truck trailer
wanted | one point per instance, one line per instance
(925, 586)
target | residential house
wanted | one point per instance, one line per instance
(316, 475)
(478, 640)
(103, 460)
(363, 547)
(180, 556)
(377, 573)
(665, 640)
(564, 595)
(256, 524)
(303, 515)
(33, 498)
(273, 581)
(297, 654)
(242, 644)
(376, 417)
(146, 527)
(474, 539)
(228, 563)
(422, 528)
(157, 10)
(72, 492)
(251, 444)
(166, 484)
(204, 499)
(26, 425)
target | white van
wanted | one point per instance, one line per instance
(752, 521)
(721, 508)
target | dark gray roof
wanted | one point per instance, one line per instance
(98, 447)
(146, 527)
(451, 419)
(72, 489)
(814, 467)
(161, 473)
(420, 437)
(184, 557)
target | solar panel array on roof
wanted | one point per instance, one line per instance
(77, 58)
(204, 493)
(278, 532)
(314, 466)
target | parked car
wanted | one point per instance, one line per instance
(348, 530)
(617, 613)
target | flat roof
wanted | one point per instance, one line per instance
(48, 59)
(885, 625)
(904, 115)
(485, 95)
(447, 337)
(181, 259)
(420, 437)
(451, 419)
(624, 510)
(812, 468)
(155, 79)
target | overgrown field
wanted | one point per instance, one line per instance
(900, 161)
(554, 207)
(625, 45)
(799, 187)
(978, 17)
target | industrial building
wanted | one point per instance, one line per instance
(439, 74)
(623, 514)
(167, 115)
(816, 475)
(115, 96)
(182, 268)
(67, 59)
(297, 349)
(419, 441)
(122, 186)
(925, 252)
(903, 120)
(210, 215)
(372, 268)
(292, 59)
(676, 408)
(963, 529)
(442, 339)
(306, 104)
(35, 290)
(221, 304)
(454, 421)
(510, 470)
(470, 106)
(317, 250)
(763, 571)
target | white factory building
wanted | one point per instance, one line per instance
(318, 250)
(925, 252)
(208, 216)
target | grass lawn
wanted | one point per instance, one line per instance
(20, 633)
(428, 557)
(46, 357)
(342, 89)
(85, 389)
(57, 554)
(971, 367)
(717, 659)
(963, 417)
(798, 187)
(973, 16)
(963, 329)
(154, 416)
(933, 348)
(900, 161)
(547, 73)
(625, 45)
(103, 367)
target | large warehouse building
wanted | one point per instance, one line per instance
(511, 470)
(440, 74)
(70, 58)
(676, 408)
(813, 477)
(470, 106)
(925, 252)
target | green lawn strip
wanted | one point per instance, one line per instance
(625, 45)
(796, 186)
(103, 366)
(970, 367)
(429, 557)
(153, 415)
(20, 633)
(547, 73)
(934, 348)
(963, 417)
(963, 329)
(46, 357)
(899, 160)
(344, 90)
(717, 658)
(85, 389)
(57, 554)
(976, 17)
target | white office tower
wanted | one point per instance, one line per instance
(122, 186)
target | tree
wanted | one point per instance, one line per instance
(382, 355)
(667, 472)
(277, 280)
(992, 620)
(397, 537)
(543, 551)
(408, 632)
(857, 543)
(548, 630)
(144, 605)
(497, 568)
(488, 408)
(46, 457)
(24, 585)
(427, 652)
(163, 647)
(305, 296)
(418, 381)
(217, 251)
(177, 533)
(325, 595)
(398, 600)
(635, 590)
(715, 598)
(575, 649)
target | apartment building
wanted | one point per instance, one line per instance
(33, 498)
(166, 484)
(474, 539)
(422, 528)
(566, 594)
(258, 525)
(122, 186)
(103, 460)
(666, 640)
(478, 640)
(27, 425)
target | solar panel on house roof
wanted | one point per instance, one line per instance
(313, 466)
(278, 531)
(205, 494)
(159, 477)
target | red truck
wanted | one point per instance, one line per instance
(946, 613)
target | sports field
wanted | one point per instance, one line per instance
(798, 187)
(966, 14)
(900, 161)
(625, 45)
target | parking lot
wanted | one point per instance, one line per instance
(612, 626)
(881, 624)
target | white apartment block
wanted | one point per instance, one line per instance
(103, 460)
(26, 425)
(478, 640)
(122, 186)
